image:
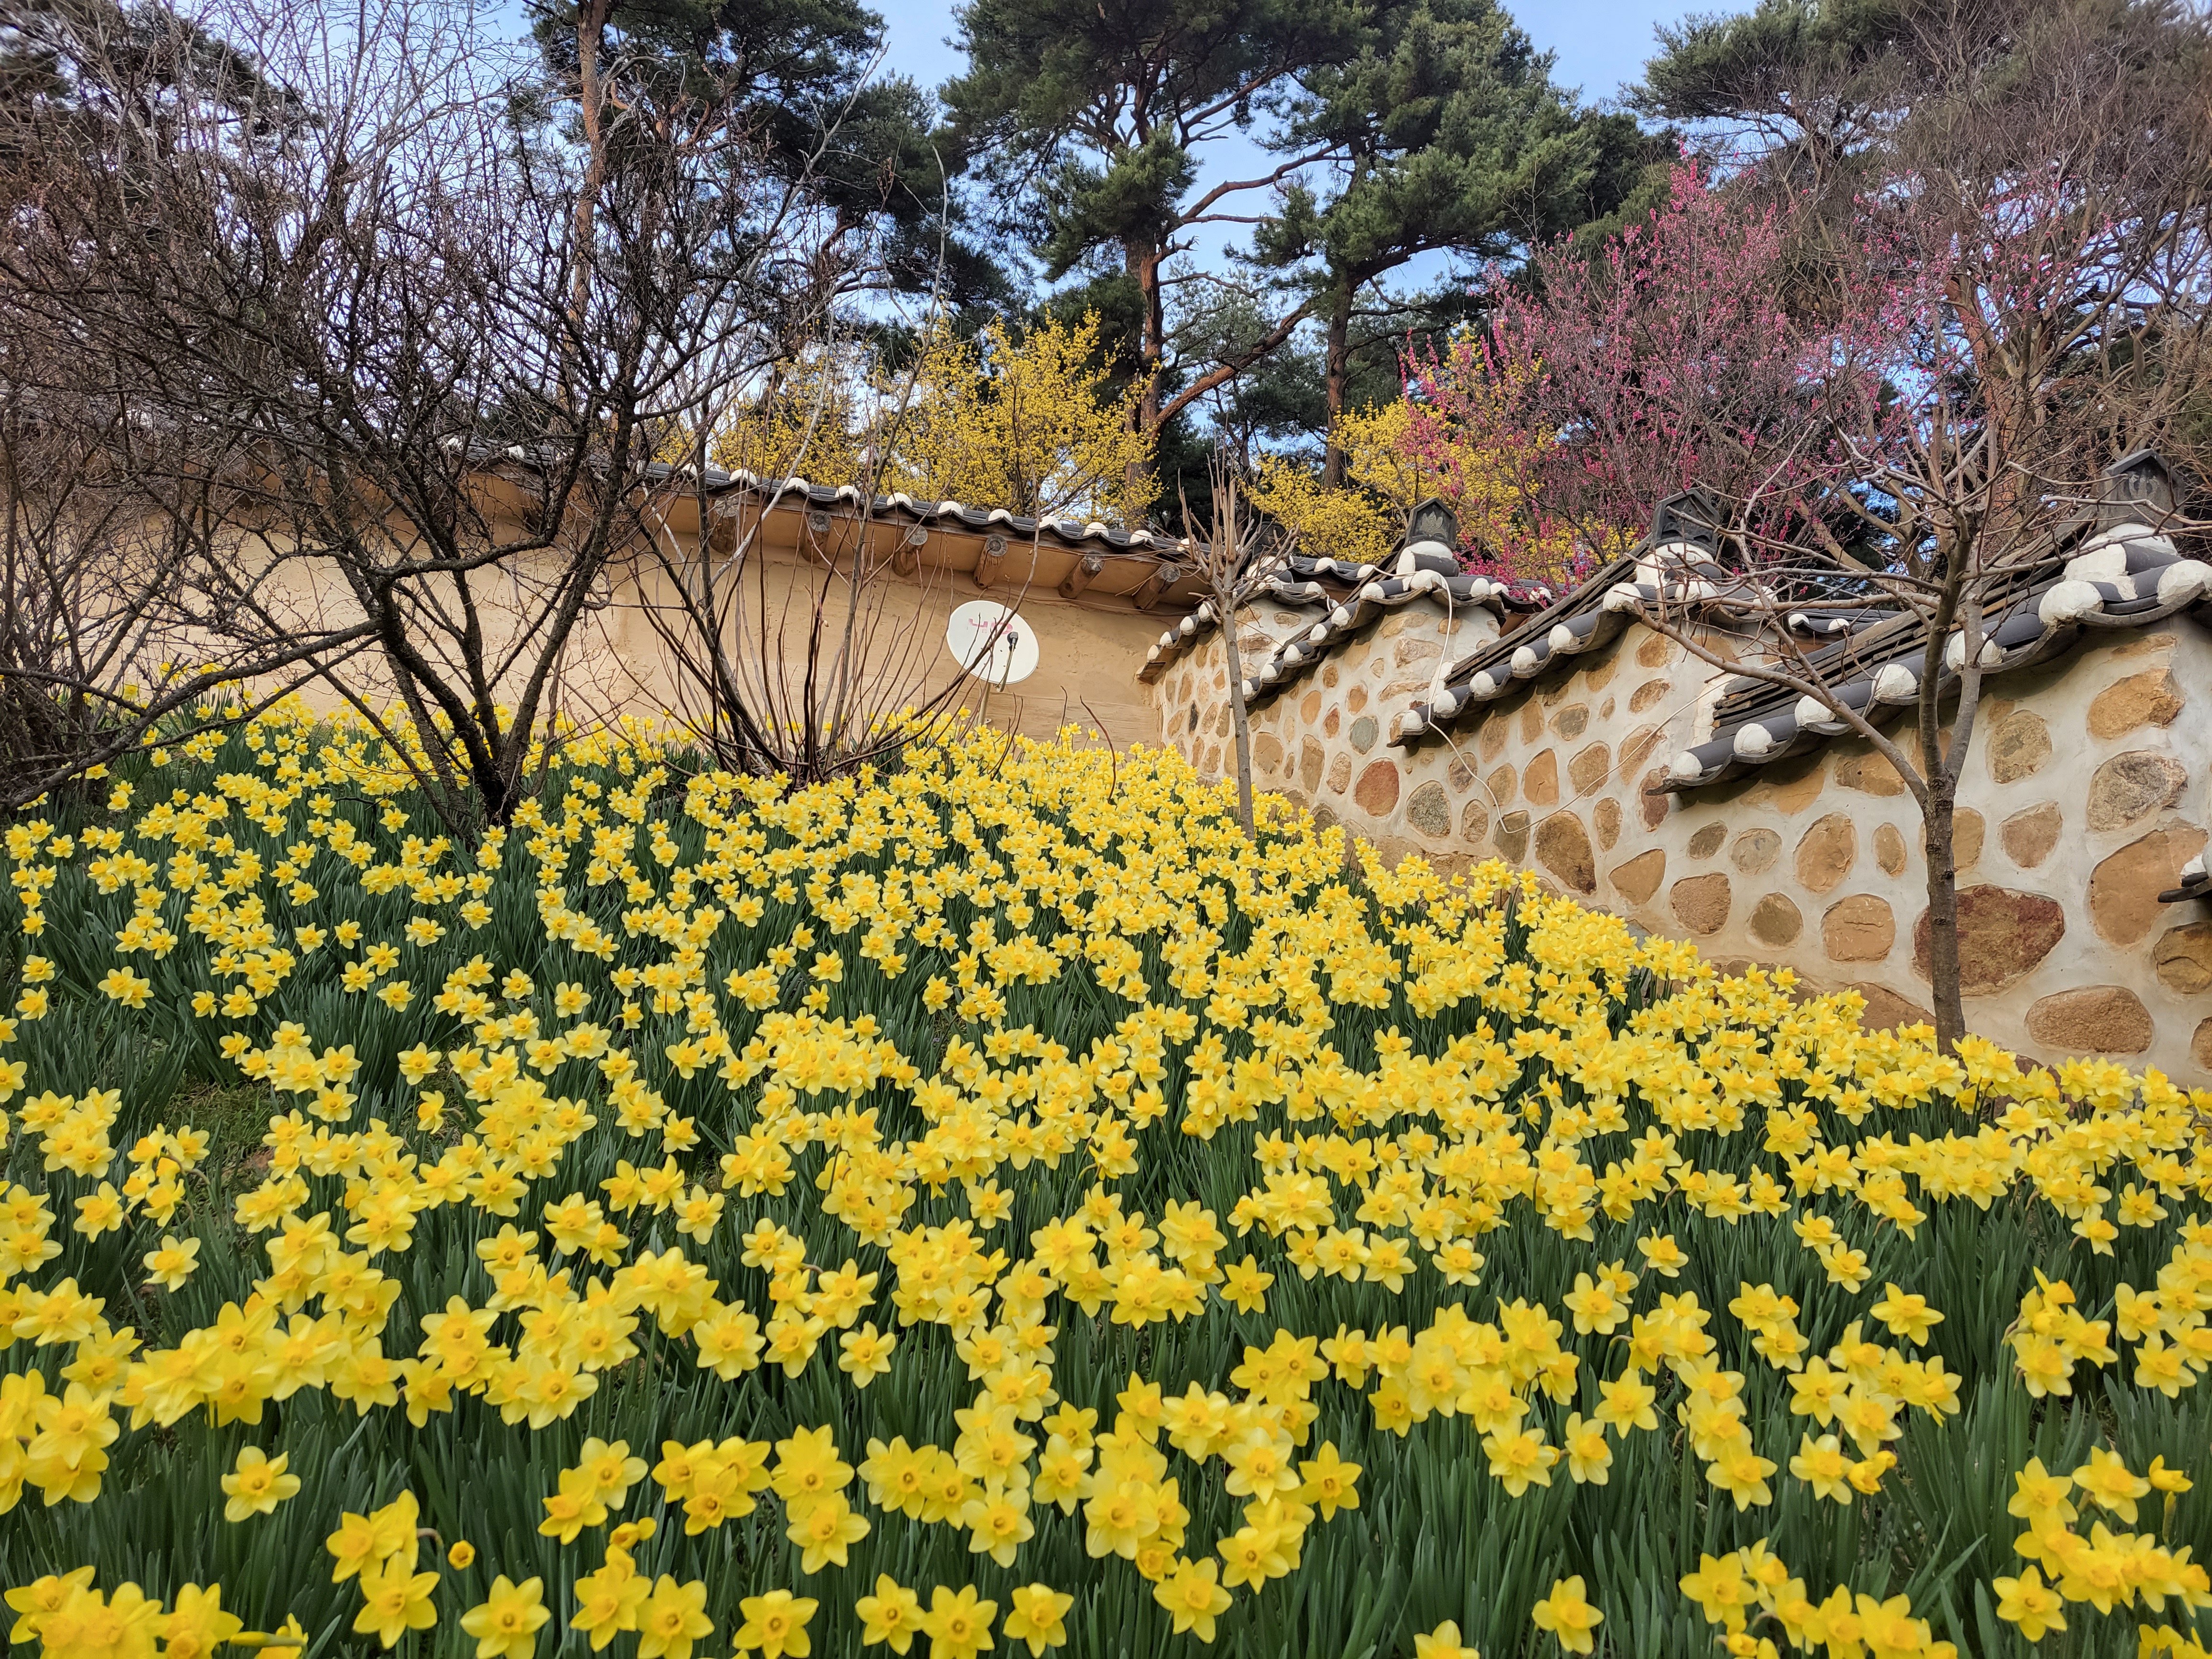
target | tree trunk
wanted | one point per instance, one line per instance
(1336, 371)
(1238, 720)
(1142, 261)
(1938, 819)
(590, 25)
(1938, 825)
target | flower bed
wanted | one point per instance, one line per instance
(992, 1205)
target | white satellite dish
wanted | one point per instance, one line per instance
(992, 642)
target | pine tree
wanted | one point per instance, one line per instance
(70, 69)
(1091, 119)
(1791, 76)
(1451, 136)
(797, 77)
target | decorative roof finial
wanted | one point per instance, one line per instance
(1431, 520)
(1692, 515)
(2137, 489)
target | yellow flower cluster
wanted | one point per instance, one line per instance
(1001, 1160)
(1746, 1583)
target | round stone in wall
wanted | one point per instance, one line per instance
(1638, 879)
(1776, 920)
(1540, 782)
(1755, 850)
(1870, 775)
(1792, 786)
(1652, 804)
(2097, 1019)
(1511, 836)
(2131, 786)
(2003, 936)
(1339, 774)
(1605, 817)
(2200, 1045)
(1362, 736)
(1886, 1011)
(1640, 745)
(1562, 846)
(1889, 849)
(1588, 770)
(2151, 699)
(2029, 835)
(2019, 746)
(1648, 694)
(1311, 758)
(1968, 830)
(1701, 903)
(1860, 928)
(1707, 841)
(1473, 821)
(2184, 956)
(1827, 853)
(2123, 888)
(1377, 789)
(1572, 721)
(1428, 810)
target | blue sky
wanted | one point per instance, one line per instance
(1599, 43)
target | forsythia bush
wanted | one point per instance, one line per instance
(991, 1206)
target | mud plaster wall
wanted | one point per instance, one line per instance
(617, 664)
(2086, 792)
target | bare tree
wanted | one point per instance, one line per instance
(808, 666)
(819, 663)
(2023, 309)
(116, 588)
(1239, 553)
(424, 361)
(118, 582)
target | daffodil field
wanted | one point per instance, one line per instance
(990, 1205)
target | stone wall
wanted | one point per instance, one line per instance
(2086, 796)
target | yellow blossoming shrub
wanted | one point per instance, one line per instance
(991, 1204)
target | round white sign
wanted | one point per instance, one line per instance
(992, 642)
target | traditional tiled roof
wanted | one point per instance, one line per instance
(2111, 571)
(2115, 567)
(1350, 597)
(1673, 564)
(1073, 532)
